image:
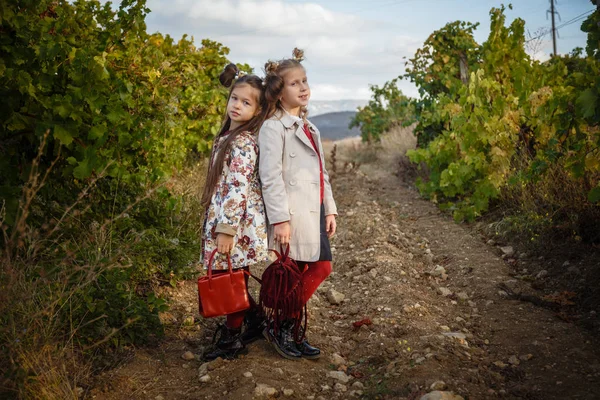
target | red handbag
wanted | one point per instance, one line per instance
(224, 293)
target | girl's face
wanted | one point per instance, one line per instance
(242, 105)
(296, 91)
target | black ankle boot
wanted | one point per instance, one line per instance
(255, 324)
(308, 351)
(283, 342)
(229, 344)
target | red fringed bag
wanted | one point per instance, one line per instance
(281, 294)
(222, 294)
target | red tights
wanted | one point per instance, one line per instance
(316, 273)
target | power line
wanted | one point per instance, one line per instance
(569, 22)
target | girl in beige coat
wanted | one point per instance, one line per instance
(297, 194)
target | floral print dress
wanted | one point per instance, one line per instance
(237, 207)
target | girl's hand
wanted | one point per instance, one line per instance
(330, 225)
(224, 243)
(283, 233)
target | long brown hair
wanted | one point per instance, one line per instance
(274, 82)
(227, 77)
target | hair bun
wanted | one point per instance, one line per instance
(271, 67)
(228, 75)
(298, 54)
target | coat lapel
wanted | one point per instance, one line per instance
(302, 136)
(290, 122)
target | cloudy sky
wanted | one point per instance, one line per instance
(349, 44)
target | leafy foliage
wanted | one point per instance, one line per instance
(513, 119)
(441, 67)
(118, 111)
(388, 108)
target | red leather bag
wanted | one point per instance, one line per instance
(222, 294)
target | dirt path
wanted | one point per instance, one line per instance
(430, 289)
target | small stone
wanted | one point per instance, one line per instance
(248, 374)
(438, 385)
(79, 391)
(387, 279)
(159, 397)
(463, 296)
(491, 242)
(445, 328)
(573, 270)
(288, 392)
(188, 321)
(358, 385)
(507, 251)
(205, 378)
(513, 360)
(337, 360)
(526, 357)
(373, 273)
(340, 387)
(325, 388)
(340, 376)
(188, 356)
(542, 274)
(459, 319)
(438, 271)
(444, 291)
(215, 364)
(335, 297)
(457, 335)
(438, 395)
(203, 370)
(262, 390)
(420, 360)
(566, 264)
(500, 364)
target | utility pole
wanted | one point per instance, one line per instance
(553, 27)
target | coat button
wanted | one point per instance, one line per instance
(292, 182)
(292, 154)
(291, 211)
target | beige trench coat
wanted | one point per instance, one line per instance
(289, 175)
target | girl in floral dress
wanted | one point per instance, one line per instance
(235, 220)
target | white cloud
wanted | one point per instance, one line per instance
(326, 91)
(345, 53)
(260, 16)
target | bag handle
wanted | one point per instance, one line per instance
(283, 254)
(230, 268)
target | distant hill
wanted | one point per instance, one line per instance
(334, 126)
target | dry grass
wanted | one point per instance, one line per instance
(373, 158)
(39, 357)
(550, 209)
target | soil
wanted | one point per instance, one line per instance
(443, 301)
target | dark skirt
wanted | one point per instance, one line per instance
(325, 254)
